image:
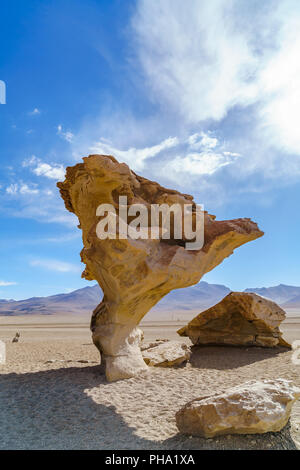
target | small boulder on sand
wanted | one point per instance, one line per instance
(167, 354)
(16, 338)
(250, 408)
(240, 319)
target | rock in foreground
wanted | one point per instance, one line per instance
(254, 407)
(135, 274)
(240, 319)
(167, 354)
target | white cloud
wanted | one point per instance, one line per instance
(12, 189)
(204, 59)
(210, 157)
(195, 57)
(21, 188)
(54, 171)
(134, 157)
(200, 153)
(34, 112)
(202, 140)
(5, 283)
(25, 189)
(68, 136)
(55, 265)
(199, 163)
(280, 110)
(41, 204)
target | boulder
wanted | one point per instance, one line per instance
(254, 407)
(240, 319)
(167, 354)
(135, 274)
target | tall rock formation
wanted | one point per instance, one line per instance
(135, 274)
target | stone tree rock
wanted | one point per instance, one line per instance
(250, 408)
(240, 319)
(135, 274)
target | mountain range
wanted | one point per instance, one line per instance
(179, 302)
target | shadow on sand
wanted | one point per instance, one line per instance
(230, 357)
(52, 410)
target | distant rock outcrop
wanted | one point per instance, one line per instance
(240, 319)
(135, 274)
(254, 407)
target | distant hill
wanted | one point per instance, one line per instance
(80, 301)
(280, 294)
(198, 297)
(293, 303)
(179, 303)
(83, 301)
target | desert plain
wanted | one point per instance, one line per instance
(54, 395)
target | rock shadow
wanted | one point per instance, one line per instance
(230, 357)
(52, 410)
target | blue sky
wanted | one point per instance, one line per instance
(203, 97)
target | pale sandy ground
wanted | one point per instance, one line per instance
(69, 405)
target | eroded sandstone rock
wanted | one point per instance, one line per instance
(240, 319)
(254, 407)
(152, 344)
(135, 274)
(167, 354)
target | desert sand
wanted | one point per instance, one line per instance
(66, 404)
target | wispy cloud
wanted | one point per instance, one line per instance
(133, 156)
(55, 265)
(21, 188)
(42, 202)
(219, 81)
(6, 283)
(66, 135)
(199, 163)
(196, 58)
(204, 60)
(200, 153)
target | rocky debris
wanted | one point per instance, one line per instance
(167, 354)
(16, 338)
(135, 274)
(152, 344)
(250, 408)
(240, 319)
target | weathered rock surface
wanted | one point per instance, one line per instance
(152, 344)
(167, 354)
(135, 274)
(240, 319)
(254, 407)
